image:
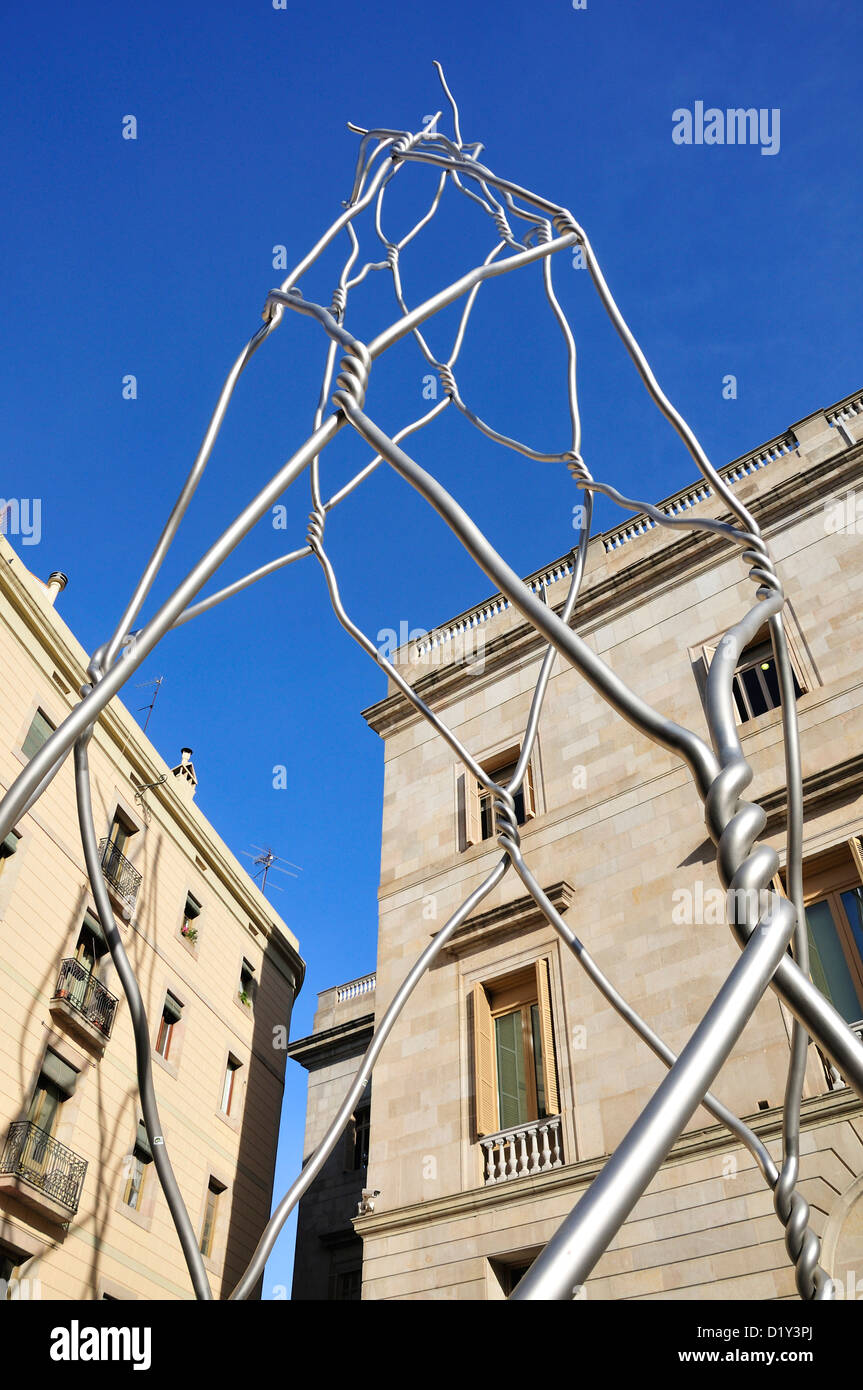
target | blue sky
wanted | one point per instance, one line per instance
(154, 257)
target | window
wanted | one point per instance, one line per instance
(229, 1087)
(39, 732)
(833, 902)
(121, 833)
(755, 686)
(172, 1012)
(358, 1138)
(514, 1064)
(137, 1163)
(479, 818)
(246, 992)
(211, 1211)
(347, 1285)
(8, 848)
(9, 1262)
(55, 1085)
(91, 945)
(191, 912)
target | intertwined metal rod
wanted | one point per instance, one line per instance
(719, 770)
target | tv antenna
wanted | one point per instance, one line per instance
(149, 708)
(267, 860)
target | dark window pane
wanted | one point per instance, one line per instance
(739, 700)
(771, 680)
(752, 686)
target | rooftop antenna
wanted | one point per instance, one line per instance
(266, 860)
(149, 708)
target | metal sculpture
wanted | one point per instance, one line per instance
(719, 770)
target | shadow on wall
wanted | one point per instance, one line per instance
(251, 1198)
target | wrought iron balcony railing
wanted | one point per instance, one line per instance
(122, 876)
(31, 1153)
(514, 1153)
(83, 992)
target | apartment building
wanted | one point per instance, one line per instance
(508, 1078)
(82, 1215)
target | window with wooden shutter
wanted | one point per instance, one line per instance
(529, 797)
(833, 899)
(483, 1063)
(470, 799)
(39, 732)
(549, 1070)
(477, 801)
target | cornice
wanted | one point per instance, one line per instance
(826, 787)
(573, 1178)
(344, 1040)
(673, 557)
(518, 915)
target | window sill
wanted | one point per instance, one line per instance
(142, 1219)
(191, 946)
(172, 1068)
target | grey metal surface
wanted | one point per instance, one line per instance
(719, 769)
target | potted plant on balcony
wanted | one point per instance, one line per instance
(189, 932)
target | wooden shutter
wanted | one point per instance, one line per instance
(529, 797)
(857, 854)
(549, 1070)
(483, 1063)
(472, 817)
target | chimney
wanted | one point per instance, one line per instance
(187, 780)
(55, 585)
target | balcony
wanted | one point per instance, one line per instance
(121, 876)
(835, 1082)
(84, 1002)
(531, 1148)
(41, 1172)
(355, 988)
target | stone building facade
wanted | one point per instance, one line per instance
(329, 1253)
(508, 1078)
(82, 1214)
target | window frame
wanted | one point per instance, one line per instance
(38, 712)
(215, 1189)
(753, 653)
(166, 1029)
(493, 999)
(476, 802)
(826, 881)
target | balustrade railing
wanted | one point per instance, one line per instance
(78, 987)
(33, 1154)
(534, 1147)
(123, 877)
(350, 991)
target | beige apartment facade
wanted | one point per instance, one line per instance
(82, 1215)
(508, 1079)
